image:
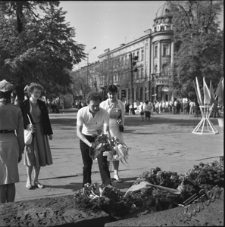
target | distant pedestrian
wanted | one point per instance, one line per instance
(147, 110)
(175, 106)
(48, 104)
(171, 105)
(38, 153)
(53, 106)
(192, 107)
(185, 106)
(166, 106)
(127, 107)
(11, 143)
(79, 105)
(178, 107)
(156, 106)
(197, 109)
(160, 107)
(215, 109)
(163, 106)
(142, 111)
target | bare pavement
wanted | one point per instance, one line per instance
(166, 141)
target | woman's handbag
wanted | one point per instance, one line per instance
(28, 134)
(121, 128)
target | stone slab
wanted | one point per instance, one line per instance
(211, 215)
(57, 211)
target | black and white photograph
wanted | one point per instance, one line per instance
(112, 113)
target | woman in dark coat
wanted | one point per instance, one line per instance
(38, 153)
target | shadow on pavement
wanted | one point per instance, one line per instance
(129, 179)
(127, 182)
(72, 186)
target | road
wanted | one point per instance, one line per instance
(166, 141)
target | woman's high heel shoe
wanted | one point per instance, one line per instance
(117, 179)
(38, 185)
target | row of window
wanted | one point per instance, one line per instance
(124, 60)
(128, 49)
(138, 75)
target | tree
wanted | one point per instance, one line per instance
(79, 83)
(37, 48)
(198, 44)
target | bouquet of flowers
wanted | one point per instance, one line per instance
(111, 147)
(152, 191)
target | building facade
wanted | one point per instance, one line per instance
(162, 54)
(155, 51)
(116, 68)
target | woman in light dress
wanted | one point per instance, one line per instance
(11, 143)
(38, 153)
(116, 111)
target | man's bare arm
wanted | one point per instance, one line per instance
(81, 136)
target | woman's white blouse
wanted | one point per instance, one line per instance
(105, 105)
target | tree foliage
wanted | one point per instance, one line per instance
(79, 85)
(199, 44)
(37, 45)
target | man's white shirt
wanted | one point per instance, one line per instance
(91, 124)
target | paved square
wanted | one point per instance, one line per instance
(166, 141)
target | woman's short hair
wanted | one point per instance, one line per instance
(112, 88)
(32, 86)
(93, 96)
(5, 95)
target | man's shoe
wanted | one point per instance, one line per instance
(28, 185)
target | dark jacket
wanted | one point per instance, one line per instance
(44, 116)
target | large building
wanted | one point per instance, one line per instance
(155, 51)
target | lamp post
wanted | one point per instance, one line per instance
(153, 83)
(87, 60)
(149, 88)
(132, 84)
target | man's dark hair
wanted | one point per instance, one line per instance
(93, 96)
(112, 88)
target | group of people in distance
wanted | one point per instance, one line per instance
(33, 115)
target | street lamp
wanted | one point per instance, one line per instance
(87, 60)
(154, 86)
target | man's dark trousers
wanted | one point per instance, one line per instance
(87, 161)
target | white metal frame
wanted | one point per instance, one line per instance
(205, 125)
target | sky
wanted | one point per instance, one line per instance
(107, 24)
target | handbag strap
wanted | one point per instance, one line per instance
(29, 119)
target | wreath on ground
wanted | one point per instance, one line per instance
(163, 190)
